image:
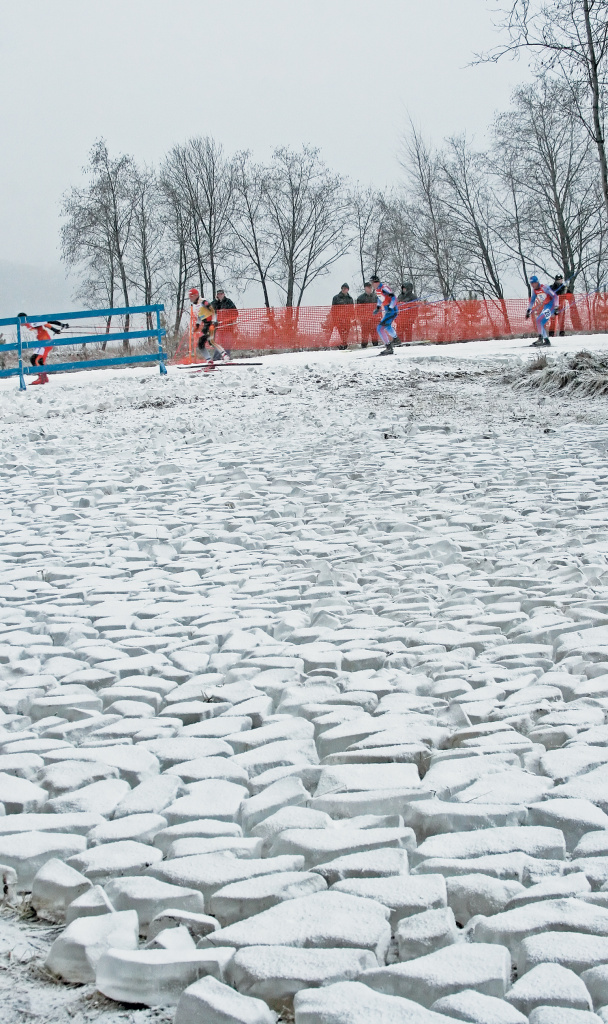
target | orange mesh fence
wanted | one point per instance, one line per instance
(311, 327)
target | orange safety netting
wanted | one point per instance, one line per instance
(312, 327)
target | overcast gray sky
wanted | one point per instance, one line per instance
(342, 75)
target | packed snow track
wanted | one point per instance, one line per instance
(304, 694)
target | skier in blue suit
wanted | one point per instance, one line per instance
(550, 301)
(386, 300)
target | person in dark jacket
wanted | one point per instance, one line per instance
(342, 315)
(407, 293)
(406, 318)
(367, 298)
(559, 316)
(226, 313)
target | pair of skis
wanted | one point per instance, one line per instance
(210, 366)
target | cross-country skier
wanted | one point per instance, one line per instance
(206, 325)
(43, 334)
(549, 300)
(386, 300)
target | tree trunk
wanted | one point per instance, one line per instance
(596, 105)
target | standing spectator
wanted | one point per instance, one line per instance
(342, 315)
(226, 313)
(558, 319)
(367, 299)
(406, 296)
(407, 293)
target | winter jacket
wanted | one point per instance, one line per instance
(407, 296)
(343, 300)
(364, 298)
(224, 303)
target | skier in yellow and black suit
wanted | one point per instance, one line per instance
(206, 325)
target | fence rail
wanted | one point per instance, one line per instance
(20, 345)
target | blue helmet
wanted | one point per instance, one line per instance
(534, 279)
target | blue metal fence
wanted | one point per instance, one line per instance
(22, 371)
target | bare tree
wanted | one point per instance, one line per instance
(515, 209)
(400, 258)
(201, 178)
(435, 237)
(180, 265)
(98, 225)
(368, 213)
(147, 251)
(550, 159)
(255, 247)
(469, 199)
(569, 38)
(308, 216)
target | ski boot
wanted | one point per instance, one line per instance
(538, 343)
(386, 351)
(42, 378)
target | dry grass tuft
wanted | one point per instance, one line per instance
(585, 373)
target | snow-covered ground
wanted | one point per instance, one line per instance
(323, 645)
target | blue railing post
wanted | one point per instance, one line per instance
(22, 386)
(161, 365)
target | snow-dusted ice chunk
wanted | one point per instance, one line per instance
(156, 977)
(26, 852)
(149, 897)
(536, 841)
(125, 857)
(575, 950)
(92, 903)
(209, 872)
(253, 895)
(213, 798)
(75, 954)
(54, 887)
(511, 926)
(549, 985)
(350, 1002)
(380, 863)
(403, 895)
(469, 895)
(319, 845)
(211, 1001)
(476, 1008)
(276, 973)
(562, 1015)
(323, 920)
(486, 968)
(424, 933)
(149, 797)
(99, 797)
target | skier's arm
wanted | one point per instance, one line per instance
(531, 304)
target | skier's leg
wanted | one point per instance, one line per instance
(541, 321)
(38, 360)
(390, 322)
(386, 331)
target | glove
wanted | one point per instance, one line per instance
(377, 310)
(528, 312)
